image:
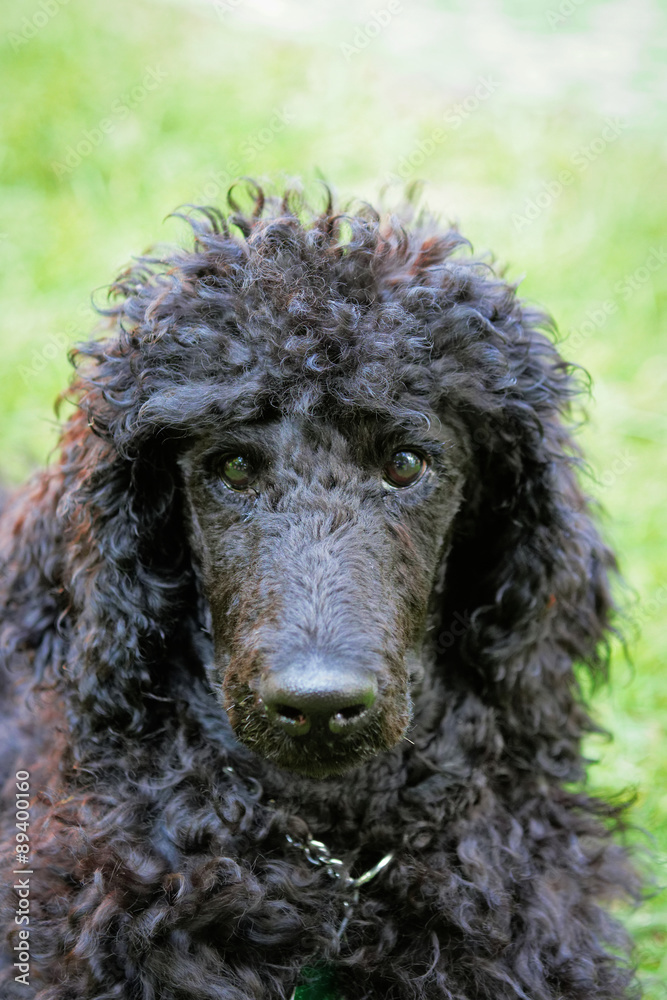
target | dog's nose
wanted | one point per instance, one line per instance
(315, 692)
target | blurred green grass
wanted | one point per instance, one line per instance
(489, 104)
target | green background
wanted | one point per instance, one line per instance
(540, 127)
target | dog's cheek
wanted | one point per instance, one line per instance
(396, 719)
(410, 580)
(223, 557)
(239, 701)
(430, 533)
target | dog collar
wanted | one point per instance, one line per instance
(317, 853)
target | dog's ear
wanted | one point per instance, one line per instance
(527, 591)
(127, 572)
(98, 577)
(104, 553)
(31, 593)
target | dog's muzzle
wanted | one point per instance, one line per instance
(318, 713)
(319, 698)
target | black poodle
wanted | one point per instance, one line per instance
(290, 634)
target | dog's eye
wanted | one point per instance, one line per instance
(237, 471)
(404, 469)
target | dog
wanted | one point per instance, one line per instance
(293, 634)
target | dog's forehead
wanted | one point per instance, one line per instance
(341, 439)
(294, 434)
(344, 435)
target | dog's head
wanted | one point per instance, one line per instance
(345, 440)
(319, 539)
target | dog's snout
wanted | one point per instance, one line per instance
(317, 693)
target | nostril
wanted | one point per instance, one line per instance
(316, 694)
(350, 712)
(289, 712)
(292, 720)
(348, 719)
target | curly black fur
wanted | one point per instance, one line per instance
(140, 595)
